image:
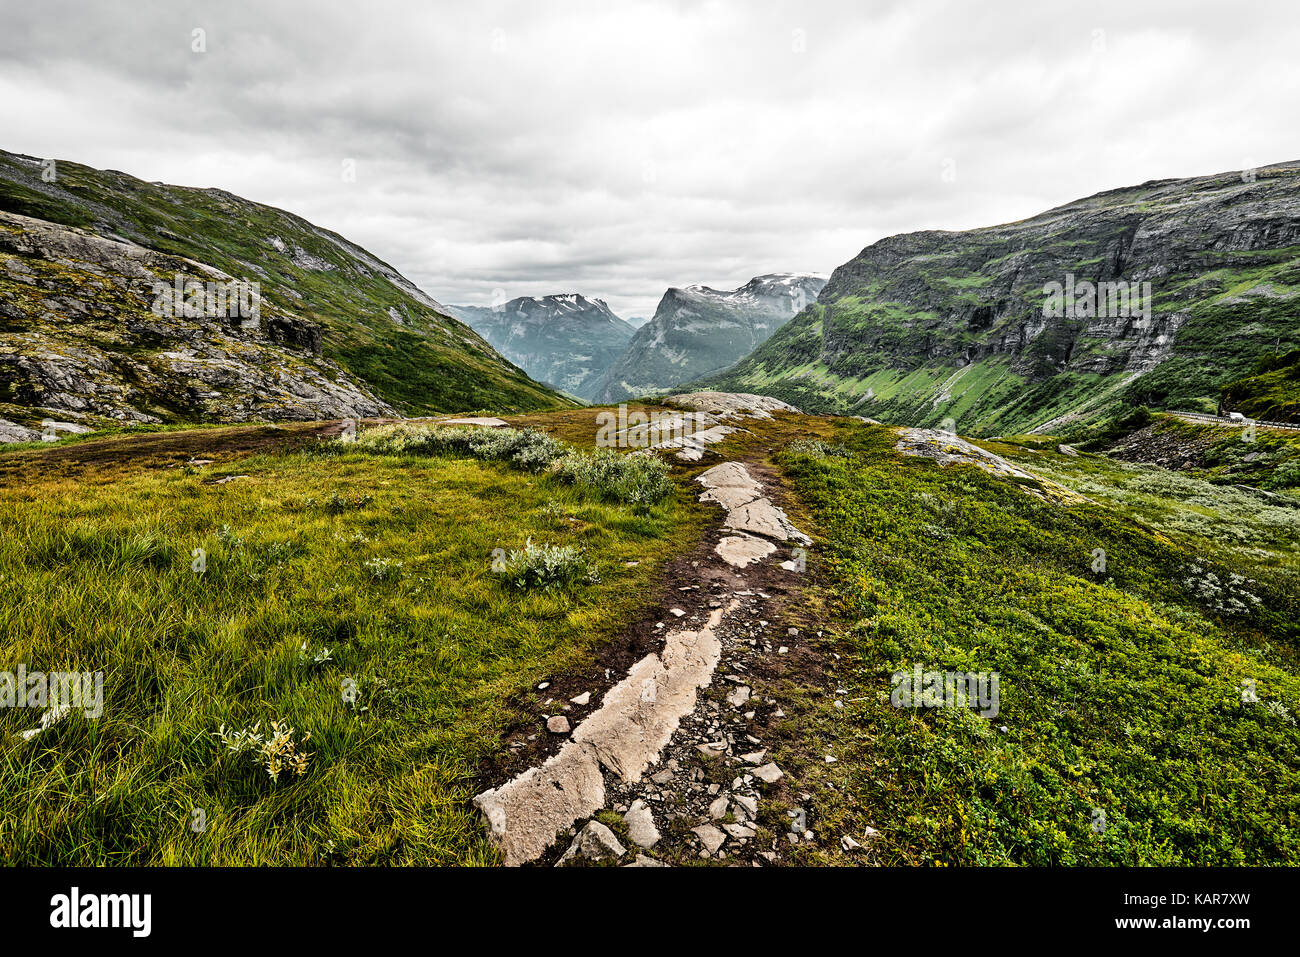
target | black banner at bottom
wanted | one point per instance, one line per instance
(338, 906)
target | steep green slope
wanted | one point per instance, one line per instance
(376, 325)
(928, 326)
(1272, 393)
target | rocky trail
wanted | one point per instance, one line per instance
(674, 762)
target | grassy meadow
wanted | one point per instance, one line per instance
(349, 609)
(349, 596)
(1123, 735)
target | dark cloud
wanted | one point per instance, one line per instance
(618, 149)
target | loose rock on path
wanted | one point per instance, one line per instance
(680, 770)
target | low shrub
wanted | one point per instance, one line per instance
(634, 479)
(529, 449)
(548, 566)
(817, 448)
(631, 479)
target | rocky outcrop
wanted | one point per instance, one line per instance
(716, 415)
(85, 332)
(948, 449)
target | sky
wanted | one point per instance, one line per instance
(489, 150)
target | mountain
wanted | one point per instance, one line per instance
(697, 331)
(84, 329)
(566, 341)
(636, 322)
(1007, 328)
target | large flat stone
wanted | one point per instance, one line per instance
(727, 474)
(761, 517)
(730, 485)
(731, 496)
(526, 813)
(741, 551)
(626, 734)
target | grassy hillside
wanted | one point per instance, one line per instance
(1121, 690)
(928, 326)
(377, 325)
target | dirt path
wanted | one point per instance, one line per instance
(672, 756)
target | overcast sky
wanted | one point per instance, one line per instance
(616, 149)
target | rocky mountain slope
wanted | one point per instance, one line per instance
(928, 326)
(697, 331)
(566, 341)
(337, 331)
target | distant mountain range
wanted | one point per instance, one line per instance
(84, 254)
(1155, 295)
(1178, 294)
(566, 341)
(697, 330)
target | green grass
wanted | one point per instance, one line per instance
(1271, 392)
(441, 577)
(1119, 691)
(382, 561)
(1210, 518)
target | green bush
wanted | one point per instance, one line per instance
(817, 448)
(635, 479)
(548, 566)
(530, 449)
(631, 479)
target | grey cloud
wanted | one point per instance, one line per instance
(619, 149)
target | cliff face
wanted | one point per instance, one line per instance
(339, 332)
(696, 331)
(566, 341)
(1156, 294)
